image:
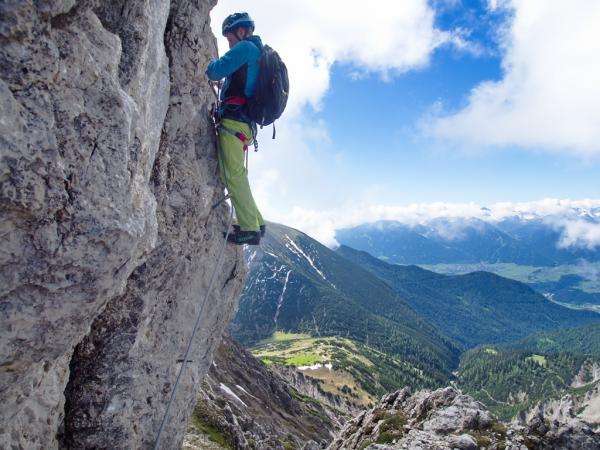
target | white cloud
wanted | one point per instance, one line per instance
(590, 272)
(455, 229)
(549, 96)
(549, 207)
(312, 35)
(563, 214)
(493, 4)
(289, 165)
(581, 234)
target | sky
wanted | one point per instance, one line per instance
(433, 107)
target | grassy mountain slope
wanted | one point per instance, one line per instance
(574, 285)
(351, 370)
(474, 308)
(296, 284)
(369, 326)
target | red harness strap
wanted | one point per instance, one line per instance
(242, 137)
(238, 134)
(240, 101)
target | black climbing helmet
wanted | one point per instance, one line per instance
(236, 20)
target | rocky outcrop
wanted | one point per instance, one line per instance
(556, 427)
(582, 404)
(252, 407)
(587, 406)
(589, 372)
(445, 419)
(311, 387)
(108, 174)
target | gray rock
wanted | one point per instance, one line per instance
(444, 411)
(554, 424)
(463, 442)
(446, 419)
(310, 387)
(107, 176)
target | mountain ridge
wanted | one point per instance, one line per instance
(534, 241)
(296, 284)
(496, 309)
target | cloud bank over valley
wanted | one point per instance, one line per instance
(578, 221)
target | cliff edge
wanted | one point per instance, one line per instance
(108, 173)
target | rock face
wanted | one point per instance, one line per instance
(108, 173)
(554, 424)
(310, 387)
(584, 406)
(445, 419)
(252, 407)
(588, 407)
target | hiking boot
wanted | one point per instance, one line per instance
(263, 229)
(244, 237)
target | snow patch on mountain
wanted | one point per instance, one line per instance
(316, 366)
(231, 394)
(294, 248)
(252, 256)
(276, 272)
(280, 301)
(245, 391)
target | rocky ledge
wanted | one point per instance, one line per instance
(249, 406)
(446, 419)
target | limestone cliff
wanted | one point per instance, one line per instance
(108, 173)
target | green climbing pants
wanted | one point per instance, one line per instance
(232, 166)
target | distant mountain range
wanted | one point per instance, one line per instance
(530, 241)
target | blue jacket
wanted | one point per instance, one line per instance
(241, 57)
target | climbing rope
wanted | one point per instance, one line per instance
(210, 285)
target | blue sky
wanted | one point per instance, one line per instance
(384, 145)
(416, 102)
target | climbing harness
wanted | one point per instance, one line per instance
(185, 359)
(219, 127)
(238, 134)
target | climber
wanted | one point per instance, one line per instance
(240, 67)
